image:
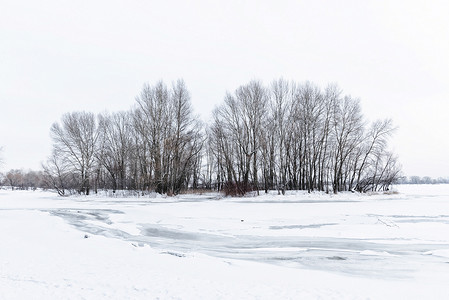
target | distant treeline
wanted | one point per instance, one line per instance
(23, 180)
(422, 180)
(282, 136)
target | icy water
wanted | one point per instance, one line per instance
(371, 236)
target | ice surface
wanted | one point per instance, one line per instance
(298, 246)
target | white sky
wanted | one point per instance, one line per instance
(61, 56)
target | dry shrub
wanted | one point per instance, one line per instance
(391, 193)
(236, 189)
(194, 191)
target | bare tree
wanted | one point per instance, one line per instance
(374, 145)
(75, 139)
(185, 139)
(171, 134)
(58, 175)
(115, 146)
(348, 134)
(2, 176)
(282, 95)
(222, 147)
(152, 122)
(253, 101)
(15, 179)
(309, 112)
(1, 157)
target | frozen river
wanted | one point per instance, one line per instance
(393, 236)
(298, 246)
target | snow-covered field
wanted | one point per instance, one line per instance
(299, 246)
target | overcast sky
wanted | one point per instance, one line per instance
(62, 56)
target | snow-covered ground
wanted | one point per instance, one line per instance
(298, 246)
